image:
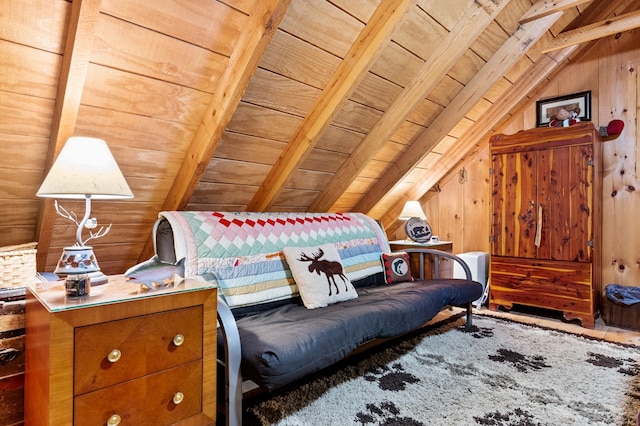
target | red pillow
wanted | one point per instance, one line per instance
(396, 267)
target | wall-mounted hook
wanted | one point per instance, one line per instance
(462, 176)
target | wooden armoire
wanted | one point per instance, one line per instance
(546, 214)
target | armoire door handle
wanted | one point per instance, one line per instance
(539, 226)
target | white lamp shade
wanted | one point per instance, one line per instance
(84, 167)
(412, 209)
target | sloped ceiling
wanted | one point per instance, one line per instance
(266, 105)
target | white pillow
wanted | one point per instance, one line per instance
(319, 274)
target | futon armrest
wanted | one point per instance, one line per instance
(232, 359)
(437, 254)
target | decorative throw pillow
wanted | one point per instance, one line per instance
(319, 274)
(396, 267)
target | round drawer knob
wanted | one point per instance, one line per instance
(178, 340)
(178, 397)
(114, 356)
(114, 420)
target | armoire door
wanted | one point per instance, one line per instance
(514, 201)
(564, 209)
(541, 203)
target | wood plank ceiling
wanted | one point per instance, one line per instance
(266, 105)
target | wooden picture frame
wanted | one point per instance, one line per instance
(578, 103)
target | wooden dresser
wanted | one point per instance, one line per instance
(121, 355)
(444, 265)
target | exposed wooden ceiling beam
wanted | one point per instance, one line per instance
(242, 64)
(75, 62)
(542, 8)
(515, 94)
(596, 31)
(507, 55)
(466, 30)
(512, 102)
(363, 53)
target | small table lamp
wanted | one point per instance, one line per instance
(416, 228)
(84, 169)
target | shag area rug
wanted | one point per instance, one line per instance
(500, 373)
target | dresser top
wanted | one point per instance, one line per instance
(413, 243)
(118, 289)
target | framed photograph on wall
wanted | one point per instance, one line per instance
(554, 111)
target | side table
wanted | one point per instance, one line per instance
(121, 355)
(444, 265)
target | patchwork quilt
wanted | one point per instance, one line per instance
(242, 251)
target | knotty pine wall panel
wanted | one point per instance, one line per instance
(619, 97)
(451, 218)
(476, 203)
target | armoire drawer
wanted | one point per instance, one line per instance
(116, 351)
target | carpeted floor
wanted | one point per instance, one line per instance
(501, 373)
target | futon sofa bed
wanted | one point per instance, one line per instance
(301, 291)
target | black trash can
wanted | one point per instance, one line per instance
(621, 307)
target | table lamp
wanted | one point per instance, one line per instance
(416, 228)
(84, 169)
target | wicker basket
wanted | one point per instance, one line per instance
(17, 265)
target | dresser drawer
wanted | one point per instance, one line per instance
(145, 401)
(116, 351)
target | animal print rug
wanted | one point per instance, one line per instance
(501, 373)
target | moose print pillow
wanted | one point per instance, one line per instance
(319, 274)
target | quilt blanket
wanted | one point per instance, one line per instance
(243, 251)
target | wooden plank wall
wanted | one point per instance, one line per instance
(460, 212)
(30, 60)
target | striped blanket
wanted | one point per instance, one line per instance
(242, 251)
